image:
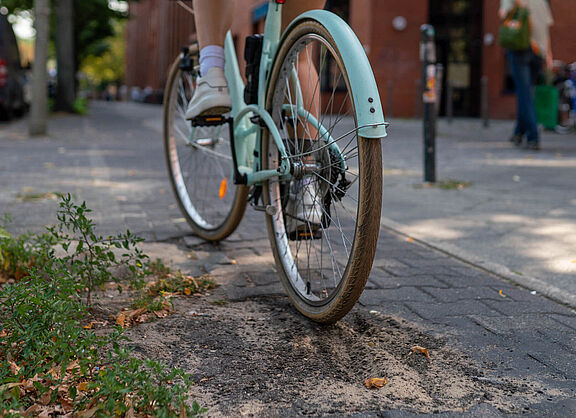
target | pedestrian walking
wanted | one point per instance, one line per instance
(529, 19)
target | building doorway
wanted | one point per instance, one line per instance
(458, 26)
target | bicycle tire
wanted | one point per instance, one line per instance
(321, 275)
(199, 164)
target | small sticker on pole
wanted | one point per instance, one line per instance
(429, 95)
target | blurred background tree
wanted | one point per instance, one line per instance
(108, 67)
(95, 27)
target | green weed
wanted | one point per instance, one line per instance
(49, 362)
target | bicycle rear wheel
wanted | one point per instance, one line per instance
(200, 164)
(325, 230)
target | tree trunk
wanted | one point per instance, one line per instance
(65, 55)
(39, 109)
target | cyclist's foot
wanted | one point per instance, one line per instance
(304, 212)
(211, 96)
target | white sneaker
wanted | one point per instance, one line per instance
(304, 211)
(211, 96)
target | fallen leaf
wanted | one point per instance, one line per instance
(421, 350)
(83, 387)
(187, 291)
(54, 374)
(32, 410)
(89, 326)
(121, 319)
(162, 314)
(501, 293)
(88, 413)
(375, 382)
(14, 368)
(3, 334)
(7, 386)
(370, 344)
(45, 398)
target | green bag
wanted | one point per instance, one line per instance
(546, 105)
(514, 34)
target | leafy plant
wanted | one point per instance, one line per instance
(49, 362)
(18, 254)
(91, 257)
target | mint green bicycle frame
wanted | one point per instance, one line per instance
(247, 135)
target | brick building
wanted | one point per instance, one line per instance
(466, 39)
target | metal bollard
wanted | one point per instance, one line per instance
(418, 101)
(484, 100)
(439, 78)
(429, 99)
(449, 102)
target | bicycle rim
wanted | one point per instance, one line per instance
(334, 202)
(200, 165)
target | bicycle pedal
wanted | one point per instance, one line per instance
(209, 120)
(305, 235)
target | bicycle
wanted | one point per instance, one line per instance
(302, 144)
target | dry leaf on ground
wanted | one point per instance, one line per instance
(14, 368)
(121, 319)
(375, 382)
(421, 350)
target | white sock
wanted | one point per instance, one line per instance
(211, 56)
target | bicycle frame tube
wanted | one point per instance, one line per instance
(247, 135)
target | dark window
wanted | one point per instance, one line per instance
(458, 27)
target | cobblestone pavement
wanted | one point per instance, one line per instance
(113, 160)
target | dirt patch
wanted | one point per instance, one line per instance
(260, 357)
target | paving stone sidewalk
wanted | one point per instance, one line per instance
(113, 160)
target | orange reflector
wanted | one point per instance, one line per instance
(223, 187)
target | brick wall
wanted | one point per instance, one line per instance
(157, 30)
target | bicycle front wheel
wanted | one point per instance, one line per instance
(200, 166)
(325, 229)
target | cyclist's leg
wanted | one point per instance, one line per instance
(213, 18)
(308, 79)
(294, 8)
(306, 199)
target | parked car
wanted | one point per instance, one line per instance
(12, 75)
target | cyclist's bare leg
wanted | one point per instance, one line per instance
(213, 18)
(308, 77)
(211, 97)
(294, 8)
(307, 202)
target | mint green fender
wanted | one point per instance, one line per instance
(369, 112)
